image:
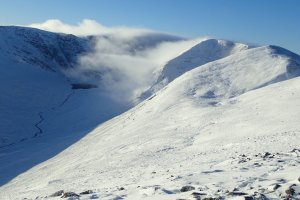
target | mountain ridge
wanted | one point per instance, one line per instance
(231, 114)
(204, 52)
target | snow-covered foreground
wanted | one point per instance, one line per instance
(229, 128)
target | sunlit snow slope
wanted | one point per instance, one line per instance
(209, 128)
(206, 51)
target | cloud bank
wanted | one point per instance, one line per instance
(88, 27)
(124, 61)
(124, 72)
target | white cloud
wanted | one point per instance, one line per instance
(88, 27)
(126, 59)
(125, 74)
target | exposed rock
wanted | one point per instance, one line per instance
(249, 198)
(197, 195)
(236, 193)
(156, 188)
(242, 161)
(266, 155)
(291, 190)
(87, 192)
(295, 150)
(212, 198)
(57, 194)
(187, 188)
(121, 188)
(281, 180)
(69, 194)
(259, 196)
(276, 186)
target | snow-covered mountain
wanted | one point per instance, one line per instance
(222, 121)
(206, 51)
(48, 50)
(28, 84)
(36, 89)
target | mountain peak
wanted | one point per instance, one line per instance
(204, 52)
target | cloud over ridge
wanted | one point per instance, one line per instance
(126, 59)
(88, 27)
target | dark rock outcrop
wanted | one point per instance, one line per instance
(187, 188)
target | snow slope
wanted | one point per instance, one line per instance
(36, 92)
(29, 84)
(40, 114)
(225, 128)
(206, 51)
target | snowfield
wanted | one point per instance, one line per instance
(220, 122)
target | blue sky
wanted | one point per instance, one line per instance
(259, 21)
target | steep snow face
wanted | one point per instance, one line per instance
(204, 52)
(201, 129)
(29, 85)
(47, 50)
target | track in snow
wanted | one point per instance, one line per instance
(40, 130)
(41, 120)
